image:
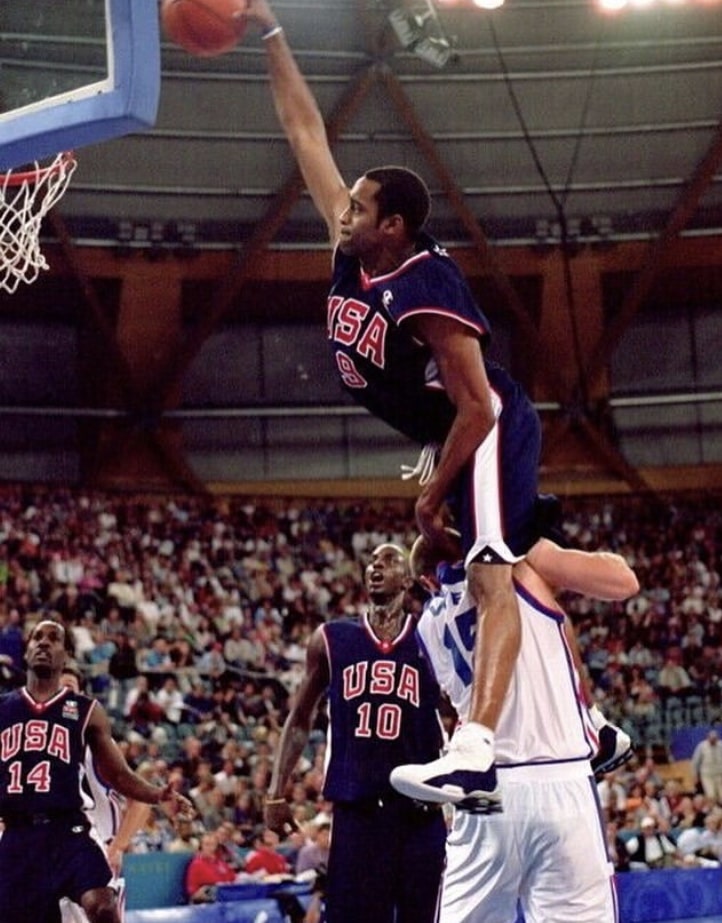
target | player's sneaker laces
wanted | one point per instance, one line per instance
(465, 776)
(615, 749)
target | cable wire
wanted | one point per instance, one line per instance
(559, 202)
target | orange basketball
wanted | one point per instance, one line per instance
(204, 27)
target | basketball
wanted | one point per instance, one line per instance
(204, 27)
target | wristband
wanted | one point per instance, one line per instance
(275, 801)
(269, 33)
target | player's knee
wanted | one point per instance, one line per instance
(100, 906)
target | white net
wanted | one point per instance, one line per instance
(25, 198)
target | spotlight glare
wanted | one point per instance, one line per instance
(488, 4)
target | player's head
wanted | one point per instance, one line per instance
(425, 557)
(47, 648)
(401, 192)
(387, 572)
(71, 676)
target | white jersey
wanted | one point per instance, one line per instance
(105, 810)
(544, 718)
(104, 807)
(547, 849)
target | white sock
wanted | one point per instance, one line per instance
(598, 719)
(476, 734)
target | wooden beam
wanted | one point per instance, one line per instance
(263, 234)
(113, 355)
(658, 253)
(428, 147)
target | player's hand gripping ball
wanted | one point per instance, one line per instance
(205, 28)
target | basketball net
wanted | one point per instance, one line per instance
(25, 198)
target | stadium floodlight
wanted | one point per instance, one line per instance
(419, 30)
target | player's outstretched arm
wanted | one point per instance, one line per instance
(117, 774)
(599, 574)
(296, 730)
(301, 120)
(134, 817)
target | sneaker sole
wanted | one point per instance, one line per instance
(614, 763)
(473, 802)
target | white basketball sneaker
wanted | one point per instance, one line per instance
(615, 749)
(464, 776)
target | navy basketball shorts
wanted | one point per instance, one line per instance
(494, 499)
(386, 861)
(41, 863)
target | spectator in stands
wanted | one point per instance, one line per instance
(672, 795)
(685, 815)
(139, 686)
(170, 700)
(123, 665)
(702, 806)
(206, 870)
(145, 714)
(154, 835)
(191, 758)
(264, 857)
(157, 659)
(648, 771)
(202, 779)
(635, 809)
(618, 854)
(247, 813)
(12, 645)
(226, 779)
(612, 795)
(651, 849)
(643, 698)
(230, 845)
(187, 837)
(198, 702)
(314, 852)
(211, 662)
(703, 842)
(183, 659)
(673, 680)
(655, 804)
(234, 647)
(707, 766)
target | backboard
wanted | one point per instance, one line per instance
(75, 72)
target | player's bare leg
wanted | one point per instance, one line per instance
(466, 774)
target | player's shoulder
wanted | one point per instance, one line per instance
(8, 696)
(438, 257)
(342, 626)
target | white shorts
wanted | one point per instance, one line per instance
(547, 849)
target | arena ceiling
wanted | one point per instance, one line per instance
(552, 130)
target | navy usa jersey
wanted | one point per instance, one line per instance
(382, 366)
(42, 747)
(382, 706)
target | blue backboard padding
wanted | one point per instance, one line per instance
(129, 103)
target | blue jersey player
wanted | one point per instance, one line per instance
(47, 851)
(408, 340)
(387, 851)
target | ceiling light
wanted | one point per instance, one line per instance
(419, 30)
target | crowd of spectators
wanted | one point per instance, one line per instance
(190, 617)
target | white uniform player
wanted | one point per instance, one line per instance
(105, 811)
(113, 820)
(547, 849)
